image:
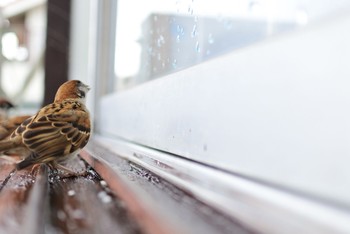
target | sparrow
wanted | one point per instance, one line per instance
(7, 126)
(57, 132)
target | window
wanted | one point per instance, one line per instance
(158, 38)
(255, 90)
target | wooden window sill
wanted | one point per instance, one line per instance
(39, 201)
(109, 199)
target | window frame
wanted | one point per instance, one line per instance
(146, 118)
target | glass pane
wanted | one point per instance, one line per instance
(158, 37)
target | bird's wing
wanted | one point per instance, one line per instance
(15, 139)
(55, 135)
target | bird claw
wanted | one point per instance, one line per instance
(34, 170)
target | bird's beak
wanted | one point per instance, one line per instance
(87, 87)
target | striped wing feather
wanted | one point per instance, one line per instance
(51, 137)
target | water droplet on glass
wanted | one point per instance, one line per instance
(155, 17)
(178, 28)
(194, 31)
(254, 7)
(198, 49)
(219, 18)
(228, 24)
(174, 63)
(180, 31)
(205, 147)
(150, 50)
(196, 19)
(160, 41)
(210, 38)
(159, 57)
(178, 38)
(163, 64)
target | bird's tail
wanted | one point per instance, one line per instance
(25, 163)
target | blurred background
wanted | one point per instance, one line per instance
(23, 33)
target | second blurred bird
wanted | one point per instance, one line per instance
(8, 124)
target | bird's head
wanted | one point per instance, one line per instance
(5, 107)
(5, 104)
(73, 89)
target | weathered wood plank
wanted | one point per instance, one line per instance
(148, 221)
(40, 200)
(13, 197)
(6, 168)
(86, 205)
(35, 208)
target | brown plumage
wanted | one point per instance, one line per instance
(7, 126)
(57, 131)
